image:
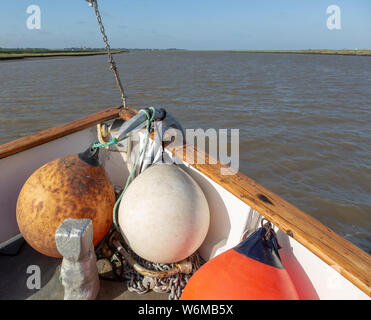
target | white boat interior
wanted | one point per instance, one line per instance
(231, 217)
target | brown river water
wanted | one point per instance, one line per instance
(304, 120)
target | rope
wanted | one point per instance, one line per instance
(148, 127)
(270, 233)
(149, 120)
(109, 143)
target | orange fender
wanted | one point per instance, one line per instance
(250, 271)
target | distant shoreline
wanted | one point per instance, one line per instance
(42, 55)
(345, 52)
(325, 52)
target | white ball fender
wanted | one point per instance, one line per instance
(164, 215)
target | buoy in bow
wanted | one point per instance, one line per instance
(251, 271)
(164, 215)
(75, 186)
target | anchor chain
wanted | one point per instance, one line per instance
(113, 67)
(173, 285)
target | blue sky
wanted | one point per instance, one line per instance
(191, 24)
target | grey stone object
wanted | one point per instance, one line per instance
(79, 272)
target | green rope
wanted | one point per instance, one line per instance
(148, 127)
(109, 143)
(102, 145)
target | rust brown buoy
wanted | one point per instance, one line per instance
(75, 186)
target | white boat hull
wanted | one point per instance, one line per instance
(230, 217)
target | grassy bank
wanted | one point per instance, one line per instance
(10, 54)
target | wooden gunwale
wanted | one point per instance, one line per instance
(352, 262)
(60, 131)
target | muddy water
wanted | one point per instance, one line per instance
(304, 120)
